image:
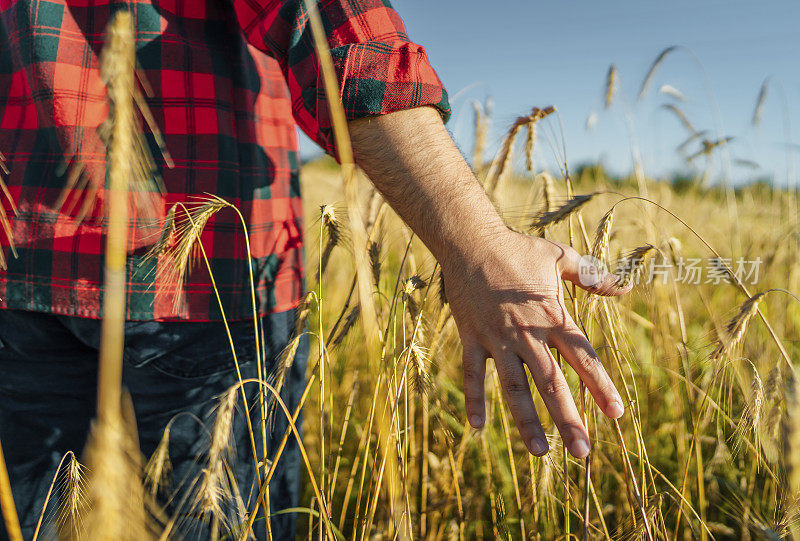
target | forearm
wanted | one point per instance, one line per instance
(513, 308)
(414, 163)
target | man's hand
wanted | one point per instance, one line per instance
(507, 301)
(504, 288)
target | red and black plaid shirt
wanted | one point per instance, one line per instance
(230, 79)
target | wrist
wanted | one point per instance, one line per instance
(476, 248)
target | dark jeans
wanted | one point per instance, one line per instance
(172, 370)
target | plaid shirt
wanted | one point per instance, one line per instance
(230, 79)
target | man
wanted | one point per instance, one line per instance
(229, 80)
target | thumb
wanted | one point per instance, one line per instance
(588, 273)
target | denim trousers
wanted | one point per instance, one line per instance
(173, 372)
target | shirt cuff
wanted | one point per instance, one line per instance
(380, 77)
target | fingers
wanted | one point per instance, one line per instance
(557, 398)
(588, 273)
(514, 383)
(474, 370)
(578, 352)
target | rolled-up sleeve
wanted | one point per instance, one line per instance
(379, 69)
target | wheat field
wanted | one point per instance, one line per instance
(705, 447)
(702, 350)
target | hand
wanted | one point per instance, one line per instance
(504, 288)
(508, 304)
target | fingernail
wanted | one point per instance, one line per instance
(616, 409)
(538, 447)
(580, 448)
(475, 421)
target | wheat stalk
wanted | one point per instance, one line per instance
(286, 359)
(599, 251)
(73, 502)
(758, 110)
(118, 66)
(481, 130)
(374, 251)
(530, 138)
(278, 378)
(602, 236)
(709, 147)
(751, 419)
(689, 140)
(334, 234)
(671, 91)
(734, 331)
(7, 506)
(212, 485)
(349, 322)
(442, 291)
(629, 269)
(159, 466)
(548, 191)
(345, 155)
(791, 445)
(143, 181)
(177, 251)
(501, 164)
(611, 85)
(652, 71)
(680, 115)
(4, 222)
(115, 494)
(502, 525)
(421, 379)
(635, 530)
(549, 218)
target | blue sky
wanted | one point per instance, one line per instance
(526, 53)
